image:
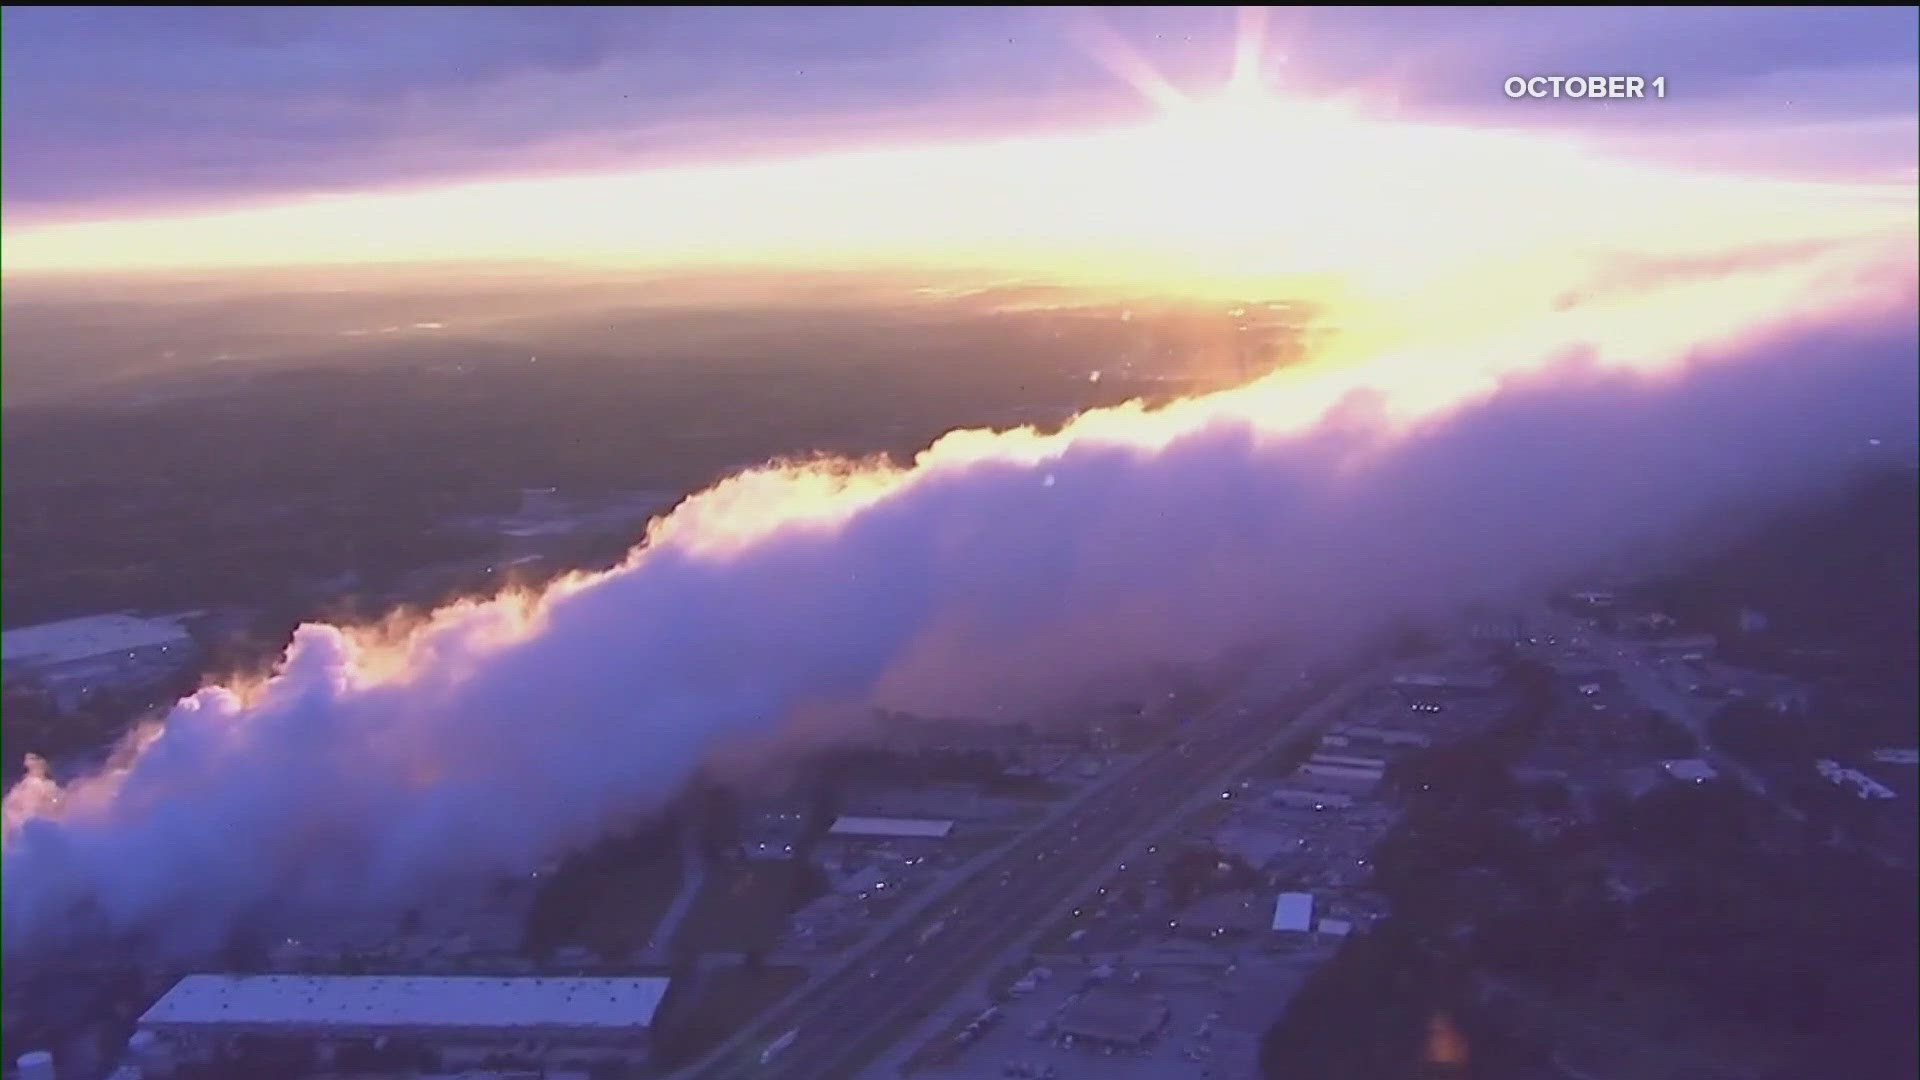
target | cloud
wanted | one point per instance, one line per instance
(1002, 570)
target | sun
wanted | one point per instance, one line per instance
(1246, 119)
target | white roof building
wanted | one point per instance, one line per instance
(1388, 735)
(1353, 773)
(382, 1004)
(1351, 760)
(1293, 911)
(899, 828)
(71, 640)
(1864, 786)
(1692, 769)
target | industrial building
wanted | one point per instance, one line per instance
(1862, 785)
(1384, 735)
(892, 828)
(1351, 760)
(75, 656)
(1690, 770)
(309, 1020)
(1293, 911)
(1345, 778)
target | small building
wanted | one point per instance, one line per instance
(1897, 756)
(1109, 1016)
(1335, 927)
(319, 1019)
(1356, 761)
(1293, 911)
(1862, 785)
(892, 828)
(1386, 735)
(1345, 778)
(1689, 770)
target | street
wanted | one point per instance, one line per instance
(846, 1021)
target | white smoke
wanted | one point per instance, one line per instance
(1001, 568)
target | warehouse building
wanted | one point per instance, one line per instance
(1292, 912)
(892, 828)
(1356, 761)
(349, 1021)
(1385, 735)
(75, 657)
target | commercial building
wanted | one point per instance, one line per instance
(75, 656)
(1352, 778)
(1384, 735)
(1350, 760)
(452, 1021)
(1862, 785)
(892, 828)
(1293, 911)
(1690, 770)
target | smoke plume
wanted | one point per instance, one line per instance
(999, 569)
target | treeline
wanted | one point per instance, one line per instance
(1839, 583)
(1697, 895)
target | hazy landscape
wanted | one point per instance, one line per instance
(853, 544)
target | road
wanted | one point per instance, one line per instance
(693, 878)
(1657, 692)
(849, 1019)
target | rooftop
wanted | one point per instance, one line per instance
(84, 638)
(1293, 911)
(1694, 769)
(399, 1002)
(897, 827)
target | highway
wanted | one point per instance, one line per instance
(845, 1021)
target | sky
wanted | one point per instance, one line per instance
(350, 121)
